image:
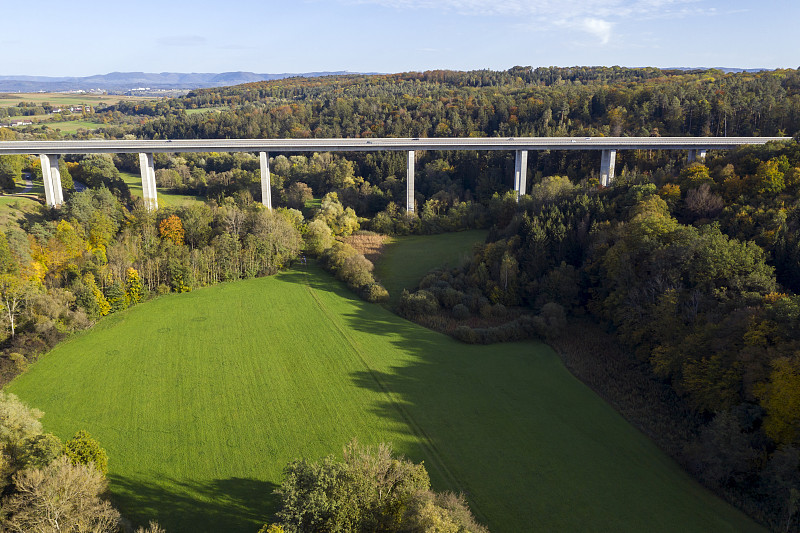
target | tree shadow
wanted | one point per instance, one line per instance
(512, 429)
(233, 504)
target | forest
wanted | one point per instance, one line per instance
(692, 268)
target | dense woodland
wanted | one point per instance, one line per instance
(693, 268)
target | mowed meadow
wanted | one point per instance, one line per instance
(201, 399)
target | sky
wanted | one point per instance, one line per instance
(85, 37)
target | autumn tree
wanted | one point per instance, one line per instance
(171, 229)
(134, 290)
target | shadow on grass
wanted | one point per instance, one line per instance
(230, 505)
(510, 428)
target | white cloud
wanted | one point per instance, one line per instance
(598, 27)
(596, 17)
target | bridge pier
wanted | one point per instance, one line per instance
(148, 171)
(410, 182)
(266, 184)
(51, 176)
(607, 163)
(697, 153)
(521, 172)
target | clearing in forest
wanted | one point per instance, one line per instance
(405, 260)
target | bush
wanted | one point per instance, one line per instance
(375, 293)
(499, 310)
(416, 304)
(450, 297)
(551, 321)
(83, 449)
(356, 271)
(466, 334)
(460, 311)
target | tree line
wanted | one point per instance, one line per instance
(694, 274)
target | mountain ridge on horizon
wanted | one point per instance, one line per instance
(125, 81)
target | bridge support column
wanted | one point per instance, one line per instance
(607, 162)
(266, 184)
(51, 176)
(410, 182)
(521, 172)
(148, 181)
(694, 155)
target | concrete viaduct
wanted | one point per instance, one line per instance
(50, 150)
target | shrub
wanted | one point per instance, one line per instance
(356, 271)
(551, 321)
(416, 304)
(19, 360)
(375, 293)
(460, 311)
(83, 449)
(450, 297)
(499, 310)
(466, 334)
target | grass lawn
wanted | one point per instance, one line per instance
(165, 198)
(202, 398)
(407, 259)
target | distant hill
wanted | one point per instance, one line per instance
(726, 70)
(126, 81)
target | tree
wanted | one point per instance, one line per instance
(14, 291)
(82, 449)
(89, 296)
(10, 170)
(369, 490)
(171, 229)
(134, 290)
(38, 451)
(343, 221)
(298, 194)
(318, 237)
(18, 422)
(59, 497)
(781, 398)
(768, 178)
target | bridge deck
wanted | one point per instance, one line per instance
(378, 144)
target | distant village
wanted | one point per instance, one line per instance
(53, 111)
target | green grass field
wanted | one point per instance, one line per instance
(72, 126)
(66, 99)
(202, 398)
(165, 198)
(207, 110)
(407, 259)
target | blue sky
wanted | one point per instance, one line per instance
(84, 37)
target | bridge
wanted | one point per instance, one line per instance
(49, 151)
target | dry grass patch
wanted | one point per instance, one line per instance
(370, 245)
